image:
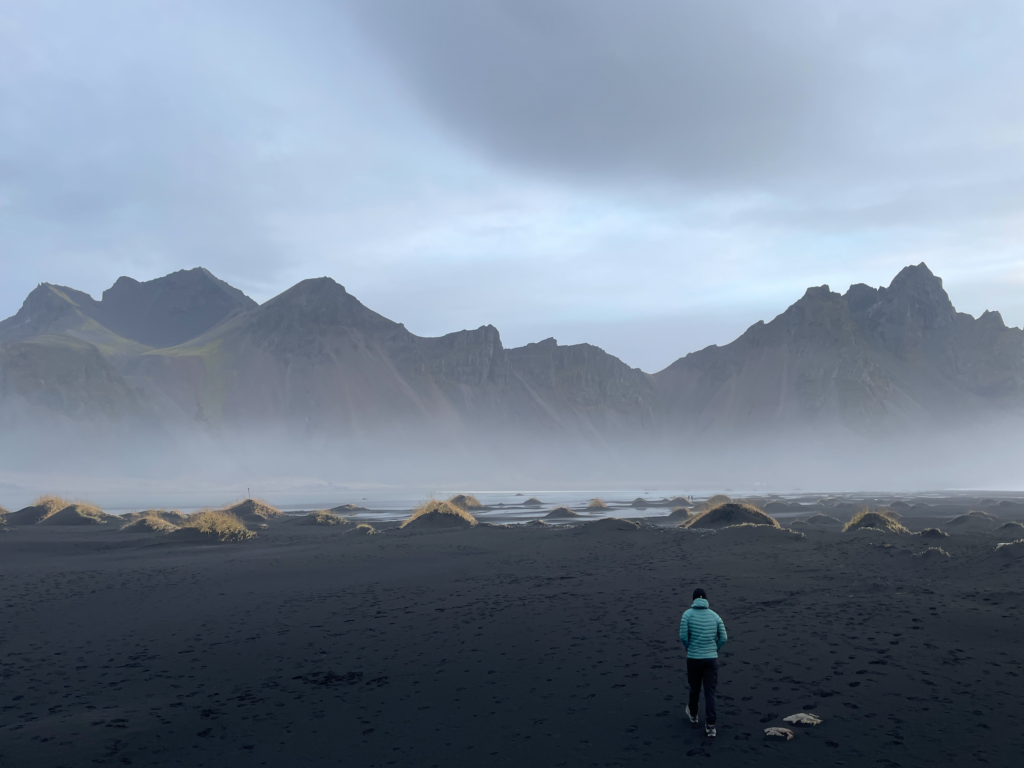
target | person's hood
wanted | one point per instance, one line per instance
(700, 602)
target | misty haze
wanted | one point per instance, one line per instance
(530, 383)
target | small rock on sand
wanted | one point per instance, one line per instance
(803, 718)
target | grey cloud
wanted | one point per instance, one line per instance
(783, 96)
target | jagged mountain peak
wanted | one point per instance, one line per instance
(316, 306)
(169, 310)
(916, 289)
(48, 309)
(910, 312)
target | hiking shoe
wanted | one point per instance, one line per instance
(710, 731)
(693, 718)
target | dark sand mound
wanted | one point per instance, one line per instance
(879, 520)
(39, 510)
(1011, 550)
(933, 554)
(438, 515)
(679, 514)
(465, 501)
(978, 514)
(728, 514)
(152, 524)
(597, 504)
(322, 517)
(533, 502)
(347, 508)
(537, 524)
(973, 522)
(716, 500)
(255, 511)
(824, 521)
(899, 506)
(79, 514)
(609, 525)
(560, 513)
(776, 506)
(1013, 528)
(639, 503)
(213, 525)
(363, 529)
(933, 533)
(1009, 508)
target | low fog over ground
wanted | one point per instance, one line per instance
(311, 473)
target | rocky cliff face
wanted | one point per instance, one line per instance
(67, 376)
(807, 367)
(914, 322)
(876, 359)
(316, 359)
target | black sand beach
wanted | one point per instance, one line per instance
(527, 645)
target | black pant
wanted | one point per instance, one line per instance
(703, 671)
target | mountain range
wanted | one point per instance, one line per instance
(189, 354)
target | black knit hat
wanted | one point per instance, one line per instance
(698, 592)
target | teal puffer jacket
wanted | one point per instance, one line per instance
(702, 631)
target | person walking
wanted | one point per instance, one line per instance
(702, 633)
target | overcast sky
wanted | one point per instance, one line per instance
(649, 176)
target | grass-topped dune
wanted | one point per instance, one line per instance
(172, 516)
(679, 515)
(54, 510)
(321, 517)
(79, 514)
(466, 501)
(729, 514)
(883, 519)
(150, 524)
(254, 511)
(363, 529)
(213, 525)
(438, 515)
(38, 510)
(597, 504)
(533, 501)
